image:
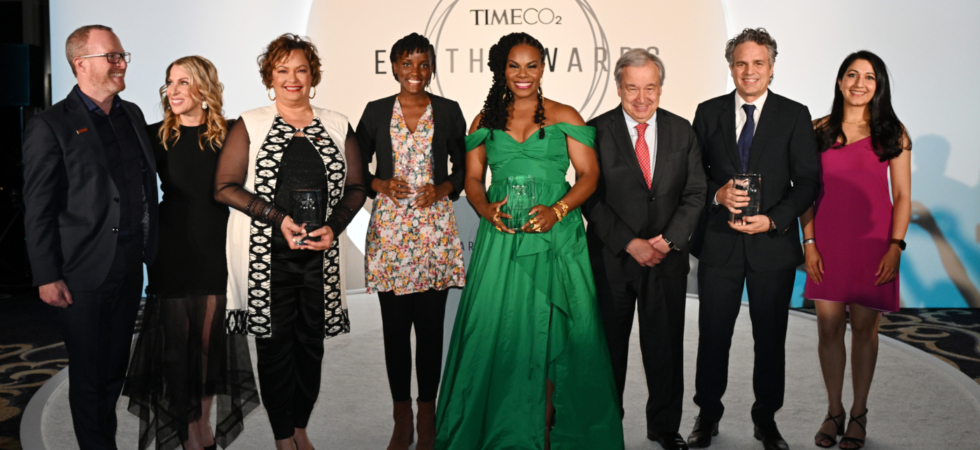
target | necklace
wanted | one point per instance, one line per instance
(855, 123)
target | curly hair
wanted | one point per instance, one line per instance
(413, 43)
(759, 36)
(887, 132)
(278, 51)
(500, 96)
(204, 76)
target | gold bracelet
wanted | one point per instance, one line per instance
(558, 213)
(564, 207)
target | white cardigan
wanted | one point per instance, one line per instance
(259, 123)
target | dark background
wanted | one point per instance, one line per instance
(25, 90)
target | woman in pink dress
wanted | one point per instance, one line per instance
(854, 234)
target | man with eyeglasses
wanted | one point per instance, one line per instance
(90, 194)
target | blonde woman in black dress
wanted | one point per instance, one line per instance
(183, 358)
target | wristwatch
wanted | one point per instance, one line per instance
(900, 243)
(671, 245)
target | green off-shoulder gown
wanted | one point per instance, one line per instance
(529, 312)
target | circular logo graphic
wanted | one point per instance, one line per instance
(582, 40)
(577, 58)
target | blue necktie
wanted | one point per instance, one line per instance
(745, 138)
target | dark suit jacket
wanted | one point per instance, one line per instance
(784, 152)
(623, 208)
(71, 203)
(374, 138)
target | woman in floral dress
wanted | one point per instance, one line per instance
(413, 254)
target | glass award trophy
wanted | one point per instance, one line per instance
(751, 183)
(414, 173)
(308, 208)
(520, 199)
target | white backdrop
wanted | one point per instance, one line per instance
(929, 46)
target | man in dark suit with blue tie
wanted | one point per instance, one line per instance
(90, 197)
(646, 205)
(751, 130)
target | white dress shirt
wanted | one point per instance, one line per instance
(650, 136)
(740, 116)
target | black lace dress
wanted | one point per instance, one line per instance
(183, 354)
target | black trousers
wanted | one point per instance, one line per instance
(426, 311)
(720, 292)
(98, 332)
(290, 362)
(660, 302)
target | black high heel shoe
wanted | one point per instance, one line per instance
(824, 436)
(854, 440)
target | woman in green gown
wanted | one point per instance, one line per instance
(528, 366)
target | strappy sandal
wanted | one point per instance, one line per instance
(854, 440)
(821, 436)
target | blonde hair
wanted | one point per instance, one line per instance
(205, 77)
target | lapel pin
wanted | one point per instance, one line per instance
(81, 131)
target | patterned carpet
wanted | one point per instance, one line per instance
(31, 349)
(31, 352)
(952, 335)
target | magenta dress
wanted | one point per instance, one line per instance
(852, 226)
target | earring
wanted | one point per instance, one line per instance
(314, 92)
(269, 93)
(204, 106)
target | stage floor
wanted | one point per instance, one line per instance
(917, 401)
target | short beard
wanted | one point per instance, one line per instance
(105, 81)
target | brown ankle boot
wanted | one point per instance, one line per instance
(404, 433)
(426, 425)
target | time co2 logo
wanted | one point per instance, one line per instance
(515, 16)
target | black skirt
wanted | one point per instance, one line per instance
(170, 371)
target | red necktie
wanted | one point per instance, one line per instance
(643, 153)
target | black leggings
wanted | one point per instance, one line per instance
(426, 311)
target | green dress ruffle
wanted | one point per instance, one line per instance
(529, 312)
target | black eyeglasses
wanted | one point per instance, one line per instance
(112, 57)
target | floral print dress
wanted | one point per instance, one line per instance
(412, 249)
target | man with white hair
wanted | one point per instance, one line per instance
(641, 216)
(90, 194)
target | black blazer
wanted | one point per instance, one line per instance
(784, 152)
(374, 138)
(623, 208)
(71, 212)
